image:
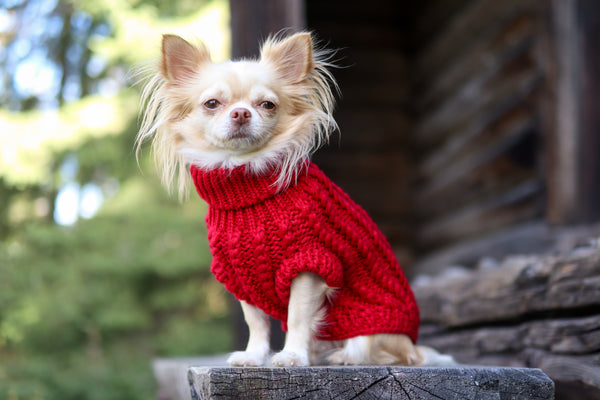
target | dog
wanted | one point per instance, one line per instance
(285, 240)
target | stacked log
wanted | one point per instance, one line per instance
(526, 311)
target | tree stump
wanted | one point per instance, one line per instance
(210, 378)
(365, 382)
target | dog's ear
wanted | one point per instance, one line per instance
(180, 60)
(292, 58)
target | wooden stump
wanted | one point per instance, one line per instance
(410, 383)
(210, 378)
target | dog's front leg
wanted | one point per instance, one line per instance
(304, 314)
(257, 350)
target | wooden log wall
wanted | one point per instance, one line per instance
(572, 121)
(526, 311)
(252, 21)
(478, 83)
(372, 158)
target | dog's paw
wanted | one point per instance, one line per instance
(339, 357)
(290, 359)
(432, 358)
(247, 359)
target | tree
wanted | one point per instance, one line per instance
(83, 307)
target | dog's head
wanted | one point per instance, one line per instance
(267, 113)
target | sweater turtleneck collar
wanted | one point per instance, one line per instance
(230, 189)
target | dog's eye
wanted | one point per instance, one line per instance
(212, 104)
(267, 105)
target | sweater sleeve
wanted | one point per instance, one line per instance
(317, 260)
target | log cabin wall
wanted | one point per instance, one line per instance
(479, 82)
(372, 157)
(252, 21)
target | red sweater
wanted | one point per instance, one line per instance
(261, 239)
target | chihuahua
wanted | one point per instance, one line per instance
(285, 240)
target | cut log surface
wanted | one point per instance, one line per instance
(414, 383)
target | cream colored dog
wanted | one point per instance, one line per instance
(263, 116)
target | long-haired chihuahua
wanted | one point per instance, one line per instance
(285, 240)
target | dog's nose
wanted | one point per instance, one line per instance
(240, 115)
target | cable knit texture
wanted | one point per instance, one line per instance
(261, 239)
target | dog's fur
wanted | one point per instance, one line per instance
(273, 112)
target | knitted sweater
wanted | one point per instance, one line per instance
(261, 239)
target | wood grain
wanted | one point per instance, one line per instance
(401, 383)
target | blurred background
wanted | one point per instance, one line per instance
(469, 129)
(100, 270)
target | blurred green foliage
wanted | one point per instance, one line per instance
(85, 307)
